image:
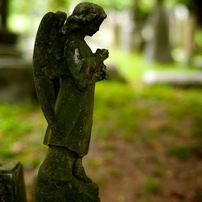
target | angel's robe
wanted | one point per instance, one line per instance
(75, 100)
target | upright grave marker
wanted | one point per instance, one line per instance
(12, 187)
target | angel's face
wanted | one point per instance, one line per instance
(92, 27)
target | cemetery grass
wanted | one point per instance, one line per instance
(146, 142)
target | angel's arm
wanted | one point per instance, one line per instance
(85, 71)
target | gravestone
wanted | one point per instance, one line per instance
(181, 78)
(12, 188)
(65, 73)
(158, 47)
(16, 79)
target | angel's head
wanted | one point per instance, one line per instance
(86, 18)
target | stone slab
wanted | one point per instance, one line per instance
(12, 187)
(16, 80)
(180, 78)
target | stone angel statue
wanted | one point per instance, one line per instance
(65, 73)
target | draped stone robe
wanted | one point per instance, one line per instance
(75, 100)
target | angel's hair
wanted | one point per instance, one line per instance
(83, 14)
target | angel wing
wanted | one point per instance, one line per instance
(48, 62)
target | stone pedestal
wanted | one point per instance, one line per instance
(65, 191)
(57, 183)
(12, 188)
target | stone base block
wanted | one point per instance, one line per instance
(65, 191)
(12, 188)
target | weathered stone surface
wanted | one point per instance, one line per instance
(73, 190)
(65, 73)
(56, 181)
(12, 188)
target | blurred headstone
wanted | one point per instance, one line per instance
(114, 74)
(16, 80)
(158, 47)
(173, 78)
(12, 188)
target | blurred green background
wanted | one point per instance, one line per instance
(147, 135)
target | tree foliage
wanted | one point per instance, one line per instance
(195, 6)
(113, 4)
(20, 6)
(26, 6)
(58, 4)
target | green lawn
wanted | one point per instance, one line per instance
(121, 111)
